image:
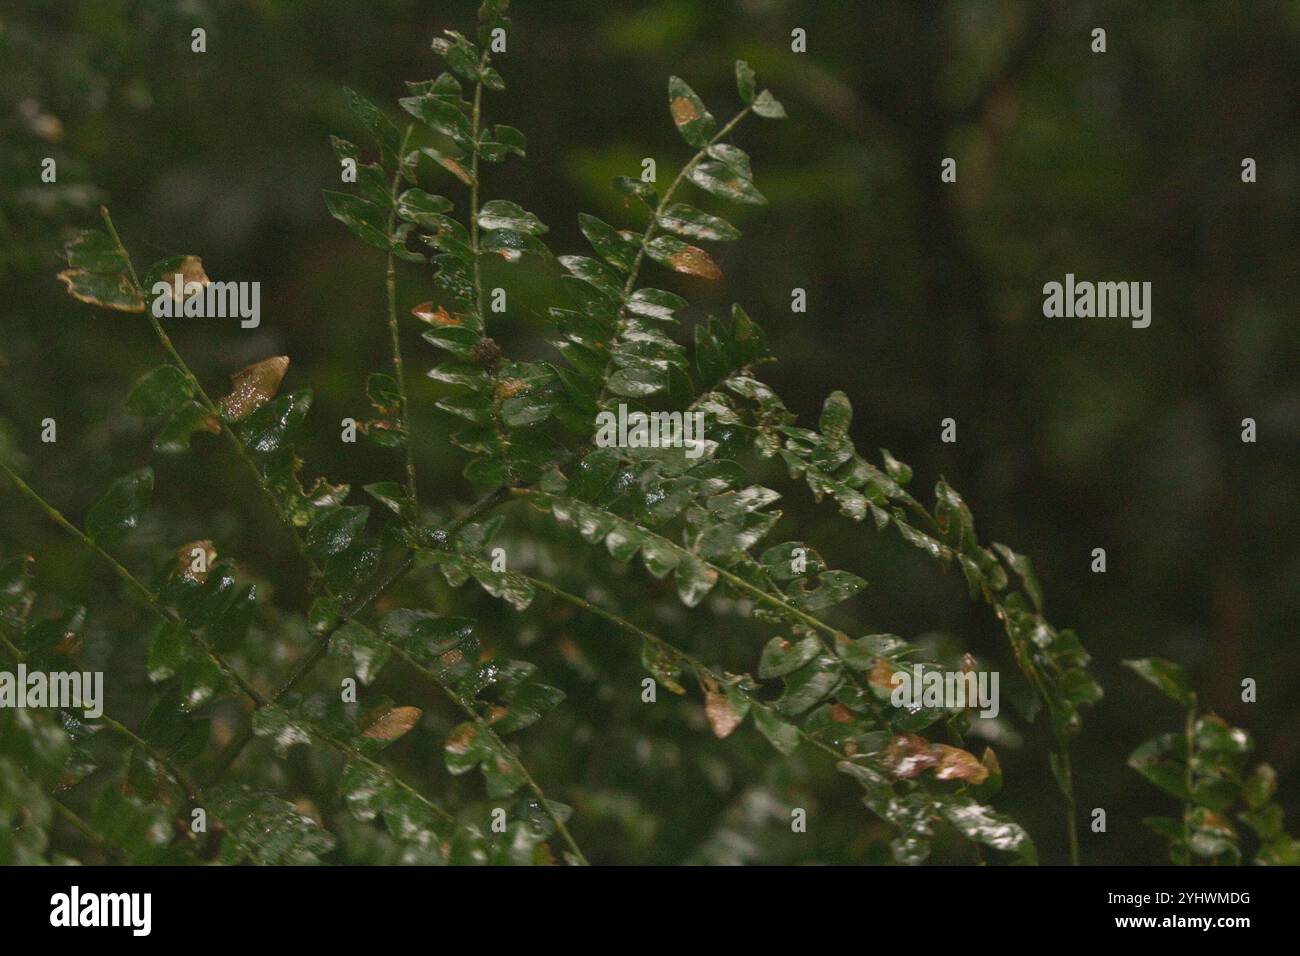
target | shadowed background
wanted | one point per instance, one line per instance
(924, 302)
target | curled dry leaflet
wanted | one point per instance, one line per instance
(635, 459)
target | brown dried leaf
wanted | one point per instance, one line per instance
(427, 312)
(69, 644)
(186, 556)
(462, 739)
(390, 723)
(457, 170)
(254, 386)
(909, 754)
(722, 719)
(882, 675)
(990, 762)
(953, 763)
(190, 271)
(695, 262)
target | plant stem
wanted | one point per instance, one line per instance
(668, 195)
(89, 832)
(209, 406)
(192, 790)
(1189, 736)
(635, 272)
(143, 594)
(318, 652)
(183, 780)
(695, 664)
(475, 119)
(393, 332)
(484, 727)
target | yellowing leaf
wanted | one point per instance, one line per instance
(390, 723)
(254, 386)
(191, 271)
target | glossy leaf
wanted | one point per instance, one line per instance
(692, 119)
(121, 507)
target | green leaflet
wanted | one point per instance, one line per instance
(419, 207)
(612, 246)
(691, 223)
(97, 273)
(363, 218)
(502, 214)
(159, 393)
(767, 106)
(442, 117)
(374, 121)
(781, 657)
(371, 792)
(266, 829)
(692, 119)
(744, 81)
(121, 507)
(365, 650)
(1165, 676)
(724, 181)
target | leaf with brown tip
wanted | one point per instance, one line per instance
(106, 291)
(957, 764)
(683, 257)
(254, 386)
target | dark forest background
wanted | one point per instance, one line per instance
(924, 302)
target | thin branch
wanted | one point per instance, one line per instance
(695, 664)
(146, 597)
(393, 332)
(318, 652)
(89, 832)
(353, 753)
(486, 728)
(211, 407)
(190, 789)
(635, 272)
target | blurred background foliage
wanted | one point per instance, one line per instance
(924, 303)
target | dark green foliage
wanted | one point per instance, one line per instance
(1206, 768)
(291, 770)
